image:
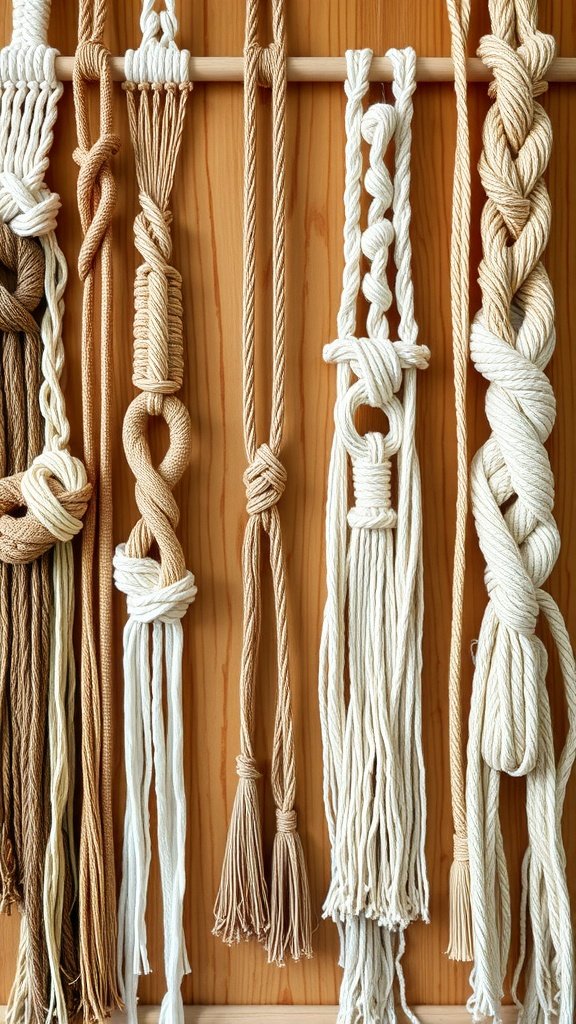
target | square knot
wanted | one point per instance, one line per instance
(286, 821)
(264, 480)
(372, 493)
(246, 768)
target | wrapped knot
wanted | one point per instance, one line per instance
(265, 480)
(147, 600)
(25, 259)
(372, 489)
(96, 196)
(286, 821)
(460, 846)
(156, 63)
(53, 494)
(91, 62)
(269, 61)
(31, 210)
(246, 768)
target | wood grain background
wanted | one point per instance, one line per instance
(207, 236)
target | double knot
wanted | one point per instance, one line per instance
(264, 480)
(24, 258)
(50, 500)
(27, 205)
(147, 599)
(96, 196)
(270, 61)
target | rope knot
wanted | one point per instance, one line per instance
(96, 196)
(460, 846)
(29, 209)
(286, 821)
(269, 61)
(24, 258)
(147, 600)
(372, 479)
(91, 60)
(265, 480)
(246, 768)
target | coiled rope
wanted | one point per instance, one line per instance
(158, 590)
(42, 503)
(242, 907)
(510, 731)
(96, 193)
(370, 656)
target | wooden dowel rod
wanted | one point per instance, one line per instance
(332, 69)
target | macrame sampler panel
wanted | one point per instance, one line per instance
(206, 232)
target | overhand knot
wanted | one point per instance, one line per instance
(265, 480)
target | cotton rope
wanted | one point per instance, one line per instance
(48, 490)
(370, 657)
(158, 590)
(96, 193)
(510, 730)
(460, 936)
(243, 908)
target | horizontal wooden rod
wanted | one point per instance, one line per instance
(331, 69)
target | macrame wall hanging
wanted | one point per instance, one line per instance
(96, 201)
(243, 909)
(512, 341)
(150, 568)
(372, 631)
(43, 496)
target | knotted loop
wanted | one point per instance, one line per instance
(372, 479)
(31, 210)
(147, 600)
(246, 768)
(286, 821)
(265, 480)
(24, 258)
(24, 535)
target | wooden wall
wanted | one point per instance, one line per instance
(207, 234)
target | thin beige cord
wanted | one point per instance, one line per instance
(242, 907)
(460, 936)
(96, 201)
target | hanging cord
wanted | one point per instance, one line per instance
(242, 908)
(372, 630)
(158, 591)
(50, 498)
(96, 202)
(460, 936)
(510, 731)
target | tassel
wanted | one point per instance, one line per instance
(290, 906)
(460, 941)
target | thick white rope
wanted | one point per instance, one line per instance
(30, 93)
(373, 765)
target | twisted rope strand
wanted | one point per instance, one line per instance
(242, 908)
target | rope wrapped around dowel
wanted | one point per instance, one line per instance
(158, 589)
(510, 731)
(370, 656)
(242, 909)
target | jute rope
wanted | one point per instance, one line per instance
(460, 937)
(96, 202)
(242, 906)
(370, 656)
(159, 590)
(512, 342)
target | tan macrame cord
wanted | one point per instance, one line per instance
(243, 908)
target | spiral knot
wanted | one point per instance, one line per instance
(24, 258)
(265, 480)
(96, 196)
(31, 210)
(246, 768)
(50, 499)
(286, 821)
(372, 479)
(147, 599)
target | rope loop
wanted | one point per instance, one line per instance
(265, 480)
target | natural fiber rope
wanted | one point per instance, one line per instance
(96, 202)
(159, 590)
(512, 342)
(242, 908)
(460, 937)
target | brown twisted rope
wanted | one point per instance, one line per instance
(96, 202)
(242, 908)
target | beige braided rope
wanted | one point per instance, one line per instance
(242, 908)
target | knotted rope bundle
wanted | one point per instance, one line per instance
(42, 503)
(96, 193)
(372, 629)
(512, 499)
(242, 906)
(158, 590)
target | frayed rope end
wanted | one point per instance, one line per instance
(460, 944)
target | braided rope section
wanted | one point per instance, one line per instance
(42, 504)
(372, 630)
(512, 342)
(158, 590)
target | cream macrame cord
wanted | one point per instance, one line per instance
(243, 908)
(158, 590)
